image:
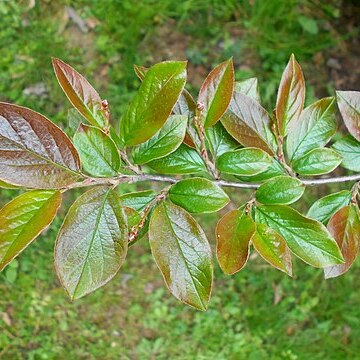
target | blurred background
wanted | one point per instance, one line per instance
(257, 314)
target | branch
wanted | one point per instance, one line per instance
(240, 185)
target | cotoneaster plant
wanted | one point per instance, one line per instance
(225, 138)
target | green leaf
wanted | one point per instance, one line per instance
(314, 128)
(34, 152)
(323, 209)
(349, 106)
(249, 123)
(275, 169)
(198, 195)
(164, 142)
(184, 160)
(244, 162)
(153, 103)
(23, 219)
(349, 149)
(307, 238)
(80, 93)
(5, 185)
(182, 253)
(317, 162)
(219, 140)
(138, 200)
(92, 242)
(133, 221)
(233, 233)
(98, 153)
(344, 226)
(280, 190)
(272, 248)
(249, 87)
(216, 92)
(291, 95)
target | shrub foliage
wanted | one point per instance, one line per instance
(223, 139)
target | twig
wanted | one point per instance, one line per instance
(128, 163)
(114, 181)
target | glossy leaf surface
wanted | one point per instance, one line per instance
(198, 195)
(314, 128)
(323, 209)
(344, 226)
(307, 238)
(280, 190)
(249, 87)
(219, 140)
(23, 219)
(216, 92)
(275, 169)
(184, 160)
(182, 253)
(317, 162)
(349, 149)
(98, 153)
(153, 103)
(349, 106)
(272, 248)
(34, 152)
(164, 142)
(138, 200)
(249, 123)
(92, 242)
(291, 95)
(80, 93)
(245, 162)
(233, 234)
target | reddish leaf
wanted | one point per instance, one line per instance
(291, 95)
(216, 92)
(34, 152)
(349, 105)
(272, 248)
(80, 93)
(344, 226)
(249, 123)
(233, 233)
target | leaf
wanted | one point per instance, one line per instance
(98, 153)
(80, 93)
(140, 71)
(314, 128)
(182, 253)
(349, 106)
(249, 123)
(34, 152)
(307, 238)
(23, 219)
(219, 140)
(317, 162)
(344, 226)
(249, 87)
(133, 221)
(291, 95)
(164, 142)
(245, 162)
(323, 209)
(280, 190)
(153, 103)
(92, 242)
(349, 149)
(272, 248)
(138, 200)
(275, 169)
(233, 233)
(216, 92)
(5, 185)
(184, 160)
(198, 195)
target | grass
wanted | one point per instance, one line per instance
(257, 314)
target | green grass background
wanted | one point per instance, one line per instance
(257, 314)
